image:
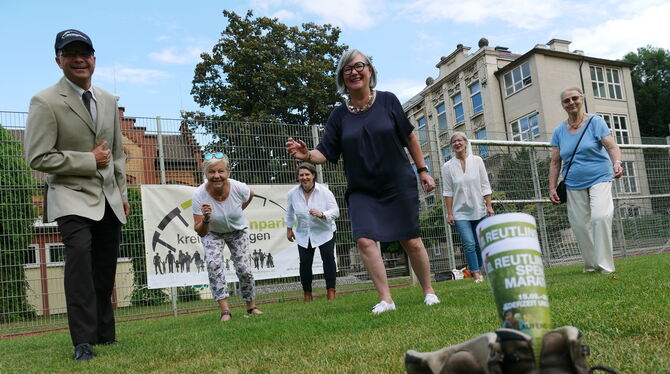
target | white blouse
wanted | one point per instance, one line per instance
(308, 227)
(466, 188)
(227, 214)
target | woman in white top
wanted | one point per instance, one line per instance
(467, 193)
(217, 211)
(312, 209)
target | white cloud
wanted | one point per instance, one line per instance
(403, 88)
(121, 73)
(616, 37)
(627, 7)
(172, 55)
(264, 5)
(525, 14)
(354, 14)
(284, 15)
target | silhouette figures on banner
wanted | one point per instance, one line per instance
(180, 262)
(262, 260)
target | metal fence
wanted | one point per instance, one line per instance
(169, 151)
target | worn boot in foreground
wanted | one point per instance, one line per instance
(469, 357)
(512, 353)
(563, 353)
(508, 351)
(502, 352)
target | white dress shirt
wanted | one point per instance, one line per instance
(467, 188)
(94, 101)
(308, 227)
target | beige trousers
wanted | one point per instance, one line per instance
(590, 213)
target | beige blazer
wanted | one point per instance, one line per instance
(59, 138)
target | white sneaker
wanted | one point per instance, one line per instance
(382, 307)
(431, 299)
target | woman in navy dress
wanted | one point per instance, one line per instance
(371, 133)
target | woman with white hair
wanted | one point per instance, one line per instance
(467, 194)
(583, 147)
(217, 211)
(371, 133)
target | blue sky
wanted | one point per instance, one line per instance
(147, 50)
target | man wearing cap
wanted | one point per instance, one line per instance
(73, 136)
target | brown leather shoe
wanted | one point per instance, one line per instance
(308, 296)
(330, 295)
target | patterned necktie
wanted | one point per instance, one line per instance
(87, 101)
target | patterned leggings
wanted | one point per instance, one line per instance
(238, 243)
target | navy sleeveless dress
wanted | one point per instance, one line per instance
(382, 193)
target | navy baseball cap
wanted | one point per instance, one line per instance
(66, 37)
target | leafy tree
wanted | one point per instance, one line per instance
(262, 70)
(256, 150)
(17, 214)
(431, 222)
(651, 83)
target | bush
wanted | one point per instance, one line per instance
(17, 214)
(143, 296)
(186, 294)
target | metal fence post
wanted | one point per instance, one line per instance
(546, 253)
(619, 224)
(161, 169)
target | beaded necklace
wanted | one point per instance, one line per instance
(355, 109)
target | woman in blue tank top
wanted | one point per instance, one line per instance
(589, 180)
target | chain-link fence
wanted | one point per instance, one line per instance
(169, 151)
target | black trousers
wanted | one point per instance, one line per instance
(327, 250)
(91, 249)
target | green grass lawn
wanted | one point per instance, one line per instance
(625, 321)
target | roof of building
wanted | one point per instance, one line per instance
(567, 55)
(178, 148)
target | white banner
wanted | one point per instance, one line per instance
(174, 253)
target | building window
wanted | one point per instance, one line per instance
(31, 255)
(446, 153)
(442, 117)
(457, 101)
(426, 160)
(476, 98)
(518, 78)
(423, 130)
(627, 183)
(619, 126)
(483, 149)
(525, 128)
(629, 211)
(55, 252)
(606, 83)
(430, 200)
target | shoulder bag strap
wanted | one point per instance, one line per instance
(577, 146)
